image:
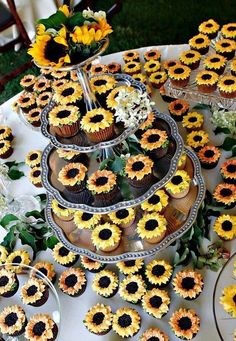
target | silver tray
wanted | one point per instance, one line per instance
(179, 221)
(72, 142)
(166, 168)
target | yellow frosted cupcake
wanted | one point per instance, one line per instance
(84, 220)
(227, 86)
(3, 254)
(209, 156)
(225, 227)
(193, 121)
(154, 334)
(131, 56)
(41, 85)
(226, 48)
(178, 109)
(152, 66)
(20, 257)
(200, 43)
(63, 256)
(68, 93)
(156, 203)
(33, 158)
(210, 28)
(197, 139)
(140, 77)
(73, 176)
(106, 237)
(132, 67)
(73, 282)
(156, 303)
(155, 142)
(34, 117)
(158, 273)
(225, 195)
(98, 69)
(158, 79)
(139, 170)
(131, 267)
(228, 300)
(190, 58)
(41, 327)
(27, 102)
(62, 212)
(43, 99)
(35, 176)
(46, 268)
(114, 67)
(34, 292)
(152, 227)
(179, 75)
(27, 82)
(105, 283)
(102, 86)
(228, 31)
(228, 171)
(215, 62)
(64, 120)
(6, 149)
(124, 217)
(132, 289)
(98, 320)
(207, 81)
(185, 323)
(13, 320)
(6, 133)
(179, 185)
(152, 54)
(188, 284)
(126, 322)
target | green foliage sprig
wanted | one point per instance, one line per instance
(14, 172)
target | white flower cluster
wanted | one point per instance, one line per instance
(88, 13)
(225, 119)
(132, 107)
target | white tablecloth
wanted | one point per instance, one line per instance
(74, 309)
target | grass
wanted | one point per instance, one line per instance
(141, 23)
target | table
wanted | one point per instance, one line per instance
(74, 309)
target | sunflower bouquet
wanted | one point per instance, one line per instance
(67, 38)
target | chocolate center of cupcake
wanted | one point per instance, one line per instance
(132, 287)
(105, 234)
(155, 199)
(158, 270)
(171, 64)
(39, 328)
(104, 282)
(206, 77)
(209, 153)
(137, 166)
(35, 114)
(67, 92)
(152, 65)
(151, 225)
(27, 80)
(111, 66)
(189, 55)
(129, 263)
(71, 280)
(178, 106)
(177, 179)
(98, 318)
(231, 28)
(31, 291)
(86, 216)
(215, 60)
(44, 271)
(11, 319)
(188, 283)
(197, 138)
(227, 225)
(130, 66)
(192, 119)
(225, 45)
(184, 323)
(60, 83)
(122, 214)
(229, 82)
(199, 40)
(63, 252)
(226, 192)
(33, 156)
(101, 181)
(100, 82)
(1, 145)
(124, 321)
(156, 301)
(45, 97)
(25, 100)
(98, 69)
(3, 281)
(153, 138)
(36, 173)
(17, 259)
(179, 70)
(96, 118)
(42, 84)
(63, 113)
(158, 77)
(231, 168)
(130, 54)
(209, 25)
(2, 131)
(151, 54)
(72, 173)
(153, 338)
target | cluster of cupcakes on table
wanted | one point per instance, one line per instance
(33, 160)
(6, 139)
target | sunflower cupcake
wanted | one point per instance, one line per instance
(131, 267)
(91, 265)
(170, 63)
(73, 176)
(226, 48)
(56, 83)
(156, 203)
(152, 227)
(105, 283)
(233, 67)
(147, 124)
(41, 85)
(139, 170)
(207, 81)
(188, 284)
(73, 156)
(13, 320)
(114, 67)
(63, 213)
(155, 142)
(46, 268)
(209, 156)
(27, 102)
(3, 254)
(210, 28)
(126, 322)
(132, 289)
(158, 79)
(182, 161)
(34, 292)
(35, 176)
(43, 99)
(152, 54)
(154, 334)
(20, 257)
(111, 98)
(69, 93)
(106, 237)
(215, 62)
(6, 149)
(123, 218)
(98, 69)
(131, 56)
(64, 120)
(27, 82)
(228, 300)
(98, 125)
(178, 187)
(190, 58)
(34, 117)
(225, 227)
(73, 282)
(131, 68)
(6, 133)
(41, 327)
(63, 256)
(156, 303)
(158, 273)
(178, 109)
(225, 194)
(152, 66)
(185, 323)
(102, 86)
(228, 171)
(197, 139)
(61, 75)
(179, 75)
(227, 86)
(228, 31)
(9, 283)
(193, 121)
(84, 220)
(33, 158)
(200, 43)
(140, 77)
(98, 320)
(47, 73)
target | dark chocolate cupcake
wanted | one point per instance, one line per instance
(158, 273)
(126, 322)
(105, 283)
(98, 320)
(34, 292)
(73, 282)
(188, 284)
(13, 321)
(209, 156)
(41, 327)
(63, 256)
(228, 171)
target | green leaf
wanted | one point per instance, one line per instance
(35, 214)
(233, 152)
(10, 164)
(117, 165)
(105, 163)
(51, 242)
(228, 143)
(220, 130)
(7, 219)
(55, 21)
(76, 19)
(9, 240)
(15, 174)
(201, 106)
(28, 239)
